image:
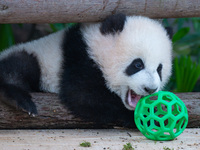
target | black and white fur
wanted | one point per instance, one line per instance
(99, 70)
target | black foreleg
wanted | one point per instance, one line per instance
(19, 75)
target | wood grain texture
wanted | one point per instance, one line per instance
(64, 11)
(52, 114)
(109, 139)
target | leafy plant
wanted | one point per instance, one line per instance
(187, 73)
(128, 146)
(85, 144)
(186, 42)
(6, 36)
(167, 148)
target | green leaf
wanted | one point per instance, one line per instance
(6, 36)
(180, 34)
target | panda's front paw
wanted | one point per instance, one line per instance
(19, 98)
(28, 106)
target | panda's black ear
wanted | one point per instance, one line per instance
(113, 24)
(169, 32)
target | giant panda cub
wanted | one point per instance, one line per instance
(99, 70)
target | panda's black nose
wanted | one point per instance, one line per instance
(149, 90)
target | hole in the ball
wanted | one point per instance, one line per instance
(154, 130)
(168, 123)
(174, 112)
(166, 133)
(174, 130)
(157, 123)
(164, 107)
(153, 98)
(183, 123)
(179, 108)
(144, 116)
(148, 123)
(177, 122)
(167, 98)
(161, 115)
(146, 112)
(176, 109)
(155, 109)
(158, 111)
(150, 100)
(141, 122)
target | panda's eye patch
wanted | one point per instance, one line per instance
(159, 70)
(134, 67)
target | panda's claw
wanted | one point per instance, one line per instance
(27, 105)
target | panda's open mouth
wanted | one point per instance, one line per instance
(132, 98)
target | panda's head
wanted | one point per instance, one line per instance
(134, 54)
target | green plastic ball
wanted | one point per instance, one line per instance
(161, 116)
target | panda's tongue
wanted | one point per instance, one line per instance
(133, 98)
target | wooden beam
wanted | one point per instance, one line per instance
(52, 114)
(52, 11)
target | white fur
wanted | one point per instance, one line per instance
(49, 54)
(141, 38)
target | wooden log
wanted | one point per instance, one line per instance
(51, 11)
(52, 114)
(192, 102)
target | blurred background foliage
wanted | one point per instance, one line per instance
(6, 36)
(186, 47)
